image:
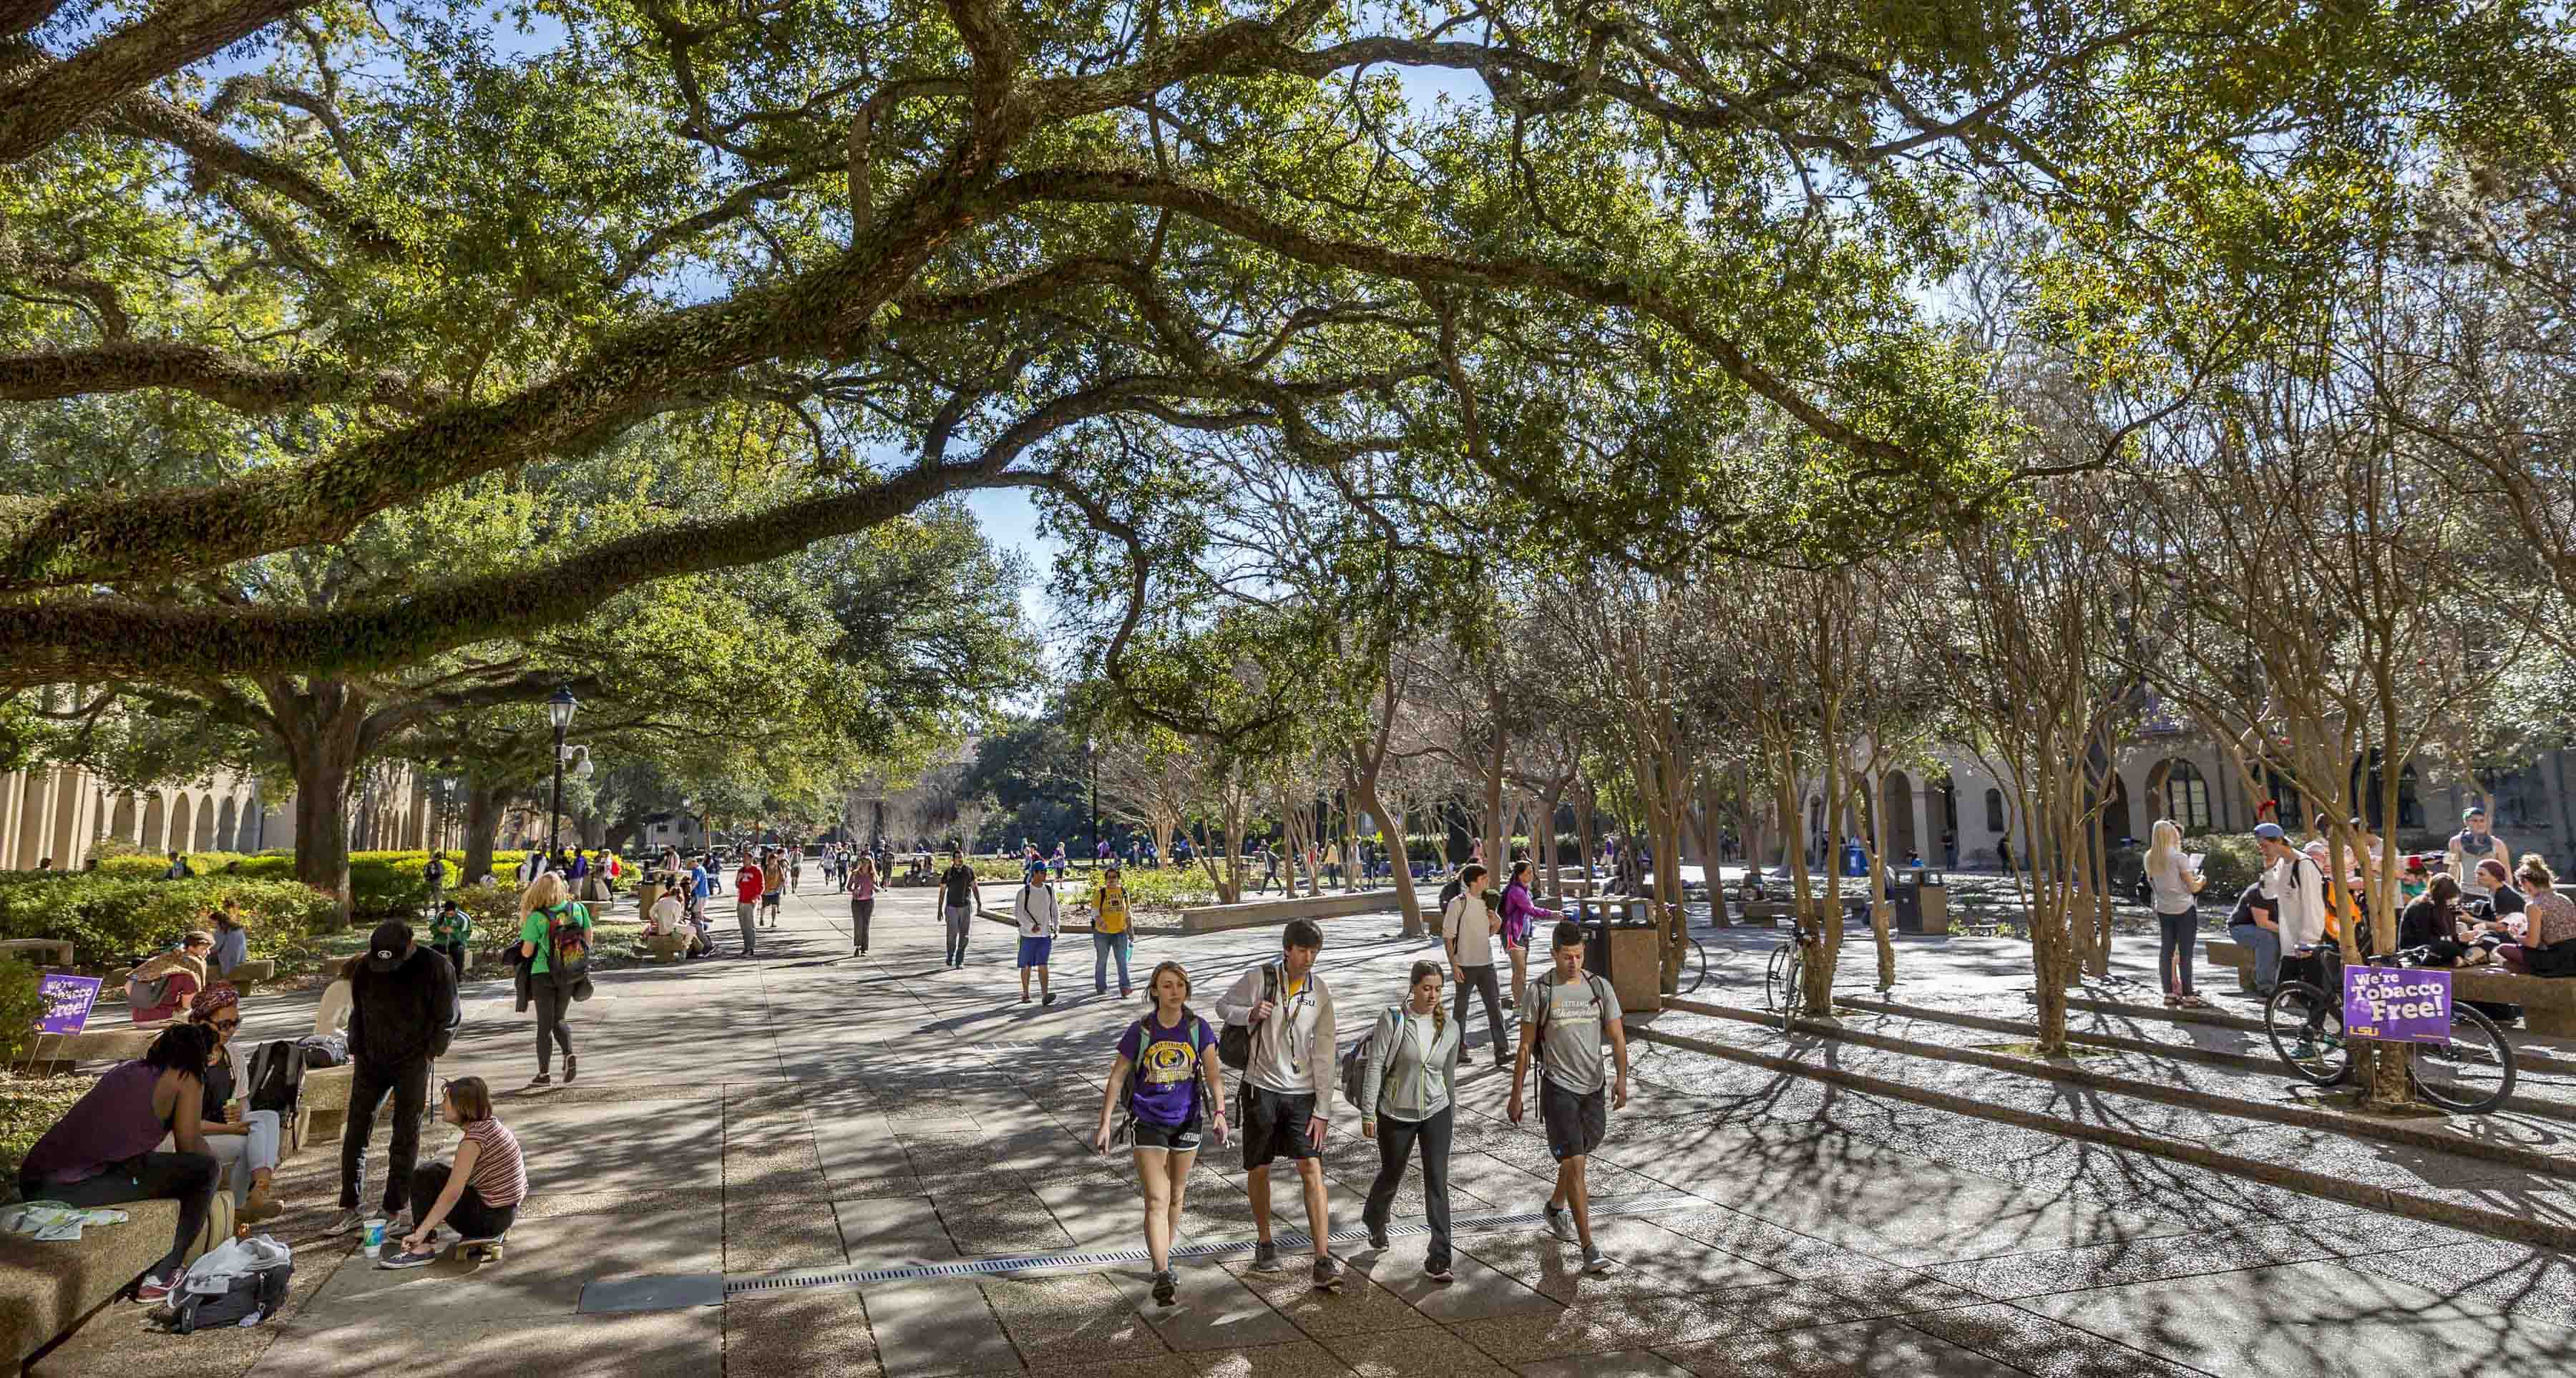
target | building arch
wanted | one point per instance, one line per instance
(2177, 790)
(205, 825)
(227, 821)
(1898, 788)
(246, 835)
(68, 793)
(123, 826)
(156, 817)
(183, 820)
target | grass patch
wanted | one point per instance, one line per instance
(28, 1107)
(2031, 1050)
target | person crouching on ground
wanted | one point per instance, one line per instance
(402, 1005)
(1568, 1015)
(479, 1196)
(1040, 920)
(1405, 1100)
(244, 1141)
(1287, 1087)
(450, 929)
(1161, 1063)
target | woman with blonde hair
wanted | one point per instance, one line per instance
(2174, 888)
(2548, 946)
(554, 958)
(1405, 1100)
(861, 882)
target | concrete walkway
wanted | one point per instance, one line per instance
(810, 1109)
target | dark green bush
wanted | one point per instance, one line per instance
(20, 1008)
(107, 917)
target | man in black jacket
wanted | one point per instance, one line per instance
(402, 1009)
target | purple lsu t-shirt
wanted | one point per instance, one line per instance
(1166, 1067)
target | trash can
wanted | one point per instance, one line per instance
(1622, 947)
(1922, 898)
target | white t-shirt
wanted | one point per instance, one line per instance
(1468, 926)
(1035, 908)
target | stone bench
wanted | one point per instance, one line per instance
(115, 1043)
(1765, 913)
(665, 947)
(1214, 918)
(49, 1288)
(2548, 1003)
(39, 950)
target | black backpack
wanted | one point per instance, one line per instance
(1234, 1045)
(250, 1299)
(275, 1077)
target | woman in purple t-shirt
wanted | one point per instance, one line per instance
(1168, 1056)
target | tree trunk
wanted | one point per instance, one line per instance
(1543, 844)
(1881, 909)
(482, 823)
(1399, 866)
(323, 770)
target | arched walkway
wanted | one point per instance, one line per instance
(2177, 790)
(122, 828)
(1899, 789)
(183, 818)
(155, 819)
(226, 819)
(205, 825)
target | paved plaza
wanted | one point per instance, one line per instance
(809, 1110)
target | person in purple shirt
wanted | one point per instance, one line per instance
(1520, 916)
(104, 1150)
(1163, 1061)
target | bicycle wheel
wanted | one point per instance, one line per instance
(2474, 1073)
(1774, 987)
(1698, 970)
(2306, 1028)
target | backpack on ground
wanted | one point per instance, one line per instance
(1355, 1065)
(1234, 1044)
(256, 1274)
(324, 1050)
(274, 1078)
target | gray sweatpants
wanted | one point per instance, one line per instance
(959, 916)
(749, 914)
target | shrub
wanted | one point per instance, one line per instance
(20, 1008)
(108, 917)
(135, 865)
(2231, 863)
(28, 1107)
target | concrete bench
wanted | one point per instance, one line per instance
(47, 1289)
(2548, 1003)
(38, 950)
(1765, 913)
(249, 973)
(1214, 918)
(666, 947)
(114, 1043)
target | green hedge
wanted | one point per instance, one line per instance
(20, 1008)
(381, 884)
(107, 917)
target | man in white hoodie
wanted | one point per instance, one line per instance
(1040, 920)
(1287, 1087)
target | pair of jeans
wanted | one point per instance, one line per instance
(1395, 1141)
(188, 1178)
(860, 912)
(1470, 980)
(469, 1217)
(2174, 939)
(2266, 943)
(368, 1086)
(1103, 944)
(959, 917)
(237, 1156)
(552, 1001)
(749, 916)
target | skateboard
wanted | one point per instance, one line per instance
(481, 1251)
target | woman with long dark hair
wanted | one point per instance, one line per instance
(104, 1151)
(1406, 1100)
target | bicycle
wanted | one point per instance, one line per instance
(1784, 986)
(1694, 971)
(2470, 1075)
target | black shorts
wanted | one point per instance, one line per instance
(1169, 1138)
(1576, 1121)
(1274, 1126)
(770, 900)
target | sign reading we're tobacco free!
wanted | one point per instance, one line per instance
(2397, 1004)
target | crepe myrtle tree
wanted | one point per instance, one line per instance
(1656, 278)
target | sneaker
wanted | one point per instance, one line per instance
(1597, 1263)
(1164, 1289)
(572, 1068)
(1377, 1238)
(1048, 999)
(541, 1079)
(395, 1258)
(1560, 1222)
(1328, 1272)
(1436, 1269)
(2302, 1050)
(152, 1291)
(262, 1204)
(1265, 1257)
(344, 1222)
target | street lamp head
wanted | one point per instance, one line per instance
(559, 708)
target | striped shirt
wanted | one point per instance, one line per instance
(500, 1174)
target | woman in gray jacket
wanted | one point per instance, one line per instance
(1412, 1063)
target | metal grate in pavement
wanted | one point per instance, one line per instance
(672, 1293)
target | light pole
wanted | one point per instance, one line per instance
(1091, 755)
(559, 710)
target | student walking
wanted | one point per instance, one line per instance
(402, 1010)
(554, 949)
(479, 1196)
(1111, 933)
(747, 884)
(773, 884)
(1040, 921)
(1569, 1013)
(1467, 928)
(1520, 919)
(1163, 1059)
(960, 895)
(1404, 1101)
(863, 903)
(1287, 1086)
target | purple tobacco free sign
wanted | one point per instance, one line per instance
(2397, 1004)
(67, 1001)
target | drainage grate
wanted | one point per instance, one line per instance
(1291, 1240)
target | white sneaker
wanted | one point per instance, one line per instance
(1560, 1222)
(344, 1222)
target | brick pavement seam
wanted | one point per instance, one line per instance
(2304, 1117)
(2386, 1200)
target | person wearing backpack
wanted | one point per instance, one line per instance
(160, 988)
(1112, 932)
(1040, 921)
(1285, 1045)
(1569, 1013)
(554, 946)
(1467, 928)
(1163, 1061)
(402, 1010)
(1404, 1100)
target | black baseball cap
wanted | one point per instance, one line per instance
(388, 945)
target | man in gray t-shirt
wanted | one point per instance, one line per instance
(1568, 1015)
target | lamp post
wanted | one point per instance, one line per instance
(1091, 755)
(559, 710)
